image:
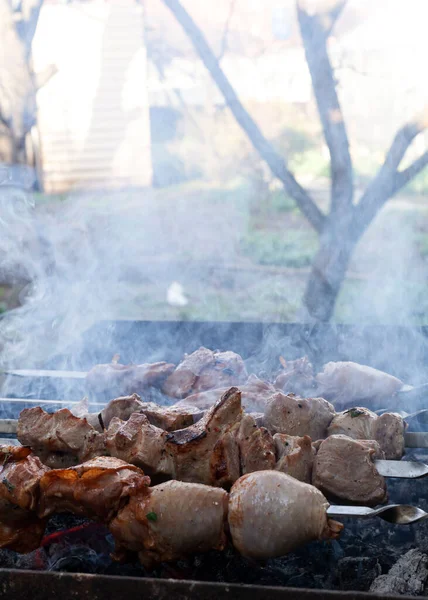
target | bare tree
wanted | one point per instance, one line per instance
(341, 228)
(18, 83)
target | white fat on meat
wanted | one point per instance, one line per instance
(170, 521)
(271, 514)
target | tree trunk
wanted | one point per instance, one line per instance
(328, 272)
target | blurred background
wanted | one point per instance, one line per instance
(130, 189)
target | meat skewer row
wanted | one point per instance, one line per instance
(283, 413)
(225, 444)
(262, 516)
(204, 371)
(286, 414)
(199, 371)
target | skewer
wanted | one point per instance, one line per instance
(403, 469)
(406, 391)
(38, 401)
(399, 514)
(45, 373)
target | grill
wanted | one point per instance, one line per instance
(77, 562)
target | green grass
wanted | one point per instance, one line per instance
(293, 248)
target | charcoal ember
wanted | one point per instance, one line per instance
(77, 558)
(62, 521)
(357, 572)
(34, 561)
(408, 576)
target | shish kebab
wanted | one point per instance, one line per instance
(225, 444)
(266, 514)
(205, 369)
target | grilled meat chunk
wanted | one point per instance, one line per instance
(96, 489)
(171, 521)
(254, 395)
(295, 456)
(363, 424)
(388, 431)
(344, 469)
(297, 377)
(207, 451)
(168, 418)
(271, 513)
(122, 380)
(203, 370)
(228, 370)
(138, 442)
(20, 473)
(348, 383)
(298, 416)
(60, 432)
(256, 446)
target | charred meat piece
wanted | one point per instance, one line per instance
(348, 383)
(207, 452)
(254, 396)
(271, 513)
(96, 489)
(171, 521)
(168, 418)
(298, 416)
(60, 432)
(138, 442)
(122, 380)
(363, 424)
(256, 446)
(20, 473)
(295, 456)
(297, 377)
(20, 530)
(344, 469)
(203, 370)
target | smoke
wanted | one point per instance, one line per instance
(102, 256)
(120, 255)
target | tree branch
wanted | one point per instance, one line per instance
(27, 24)
(388, 179)
(223, 45)
(315, 28)
(405, 176)
(250, 127)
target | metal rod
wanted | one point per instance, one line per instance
(8, 425)
(45, 373)
(38, 401)
(416, 439)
